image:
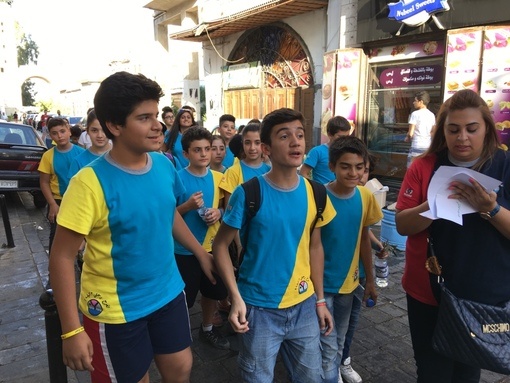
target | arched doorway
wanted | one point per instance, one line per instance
(286, 70)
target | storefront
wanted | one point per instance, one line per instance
(417, 45)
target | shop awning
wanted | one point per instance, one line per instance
(266, 13)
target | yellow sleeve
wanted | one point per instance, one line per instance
(232, 178)
(371, 209)
(217, 177)
(46, 164)
(83, 205)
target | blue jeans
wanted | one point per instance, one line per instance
(294, 331)
(339, 305)
(353, 323)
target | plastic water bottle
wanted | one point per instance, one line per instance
(381, 272)
(202, 211)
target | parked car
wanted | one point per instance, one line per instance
(21, 149)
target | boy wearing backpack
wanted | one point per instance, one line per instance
(274, 302)
(345, 239)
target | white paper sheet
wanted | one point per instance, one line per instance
(437, 194)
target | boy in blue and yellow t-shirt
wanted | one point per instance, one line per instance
(54, 169)
(123, 204)
(345, 239)
(274, 300)
(202, 192)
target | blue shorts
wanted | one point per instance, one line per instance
(124, 352)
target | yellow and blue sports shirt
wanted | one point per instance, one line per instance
(241, 172)
(80, 161)
(342, 236)
(276, 271)
(208, 184)
(127, 218)
(56, 163)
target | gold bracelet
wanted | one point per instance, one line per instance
(72, 333)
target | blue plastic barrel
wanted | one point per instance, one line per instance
(389, 231)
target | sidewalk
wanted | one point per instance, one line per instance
(381, 350)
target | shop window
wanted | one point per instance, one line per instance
(392, 87)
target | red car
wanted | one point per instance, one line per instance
(21, 150)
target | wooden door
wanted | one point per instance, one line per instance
(256, 103)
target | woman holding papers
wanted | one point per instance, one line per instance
(474, 256)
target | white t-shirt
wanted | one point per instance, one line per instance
(84, 140)
(423, 121)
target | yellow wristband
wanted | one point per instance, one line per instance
(72, 333)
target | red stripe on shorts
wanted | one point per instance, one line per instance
(103, 370)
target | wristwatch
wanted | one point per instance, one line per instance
(490, 214)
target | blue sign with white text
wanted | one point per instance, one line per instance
(416, 12)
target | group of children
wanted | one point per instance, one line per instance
(294, 290)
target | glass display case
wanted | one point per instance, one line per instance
(391, 90)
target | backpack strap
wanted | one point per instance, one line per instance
(252, 200)
(320, 197)
(252, 196)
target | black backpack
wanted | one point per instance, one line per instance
(252, 193)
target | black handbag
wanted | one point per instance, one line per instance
(473, 333)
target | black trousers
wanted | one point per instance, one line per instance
(433, 367)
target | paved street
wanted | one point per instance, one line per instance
(381, 349)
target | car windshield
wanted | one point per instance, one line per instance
(22, 135)
(75, 120)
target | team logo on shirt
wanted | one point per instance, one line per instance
(408, 192)
(94, 306)
(303, 287)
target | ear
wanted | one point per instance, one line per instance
(185, 154)
(331, 167)
(114, 128)
(266, 149)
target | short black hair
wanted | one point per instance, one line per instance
(119, 95)
(278, 116)
(338, 124)
(76, 131)
(347, 144)
(56, 121)
(227, 117)
(195, 133)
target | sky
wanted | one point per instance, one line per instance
(77, 38)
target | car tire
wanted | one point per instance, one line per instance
(39, 200)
